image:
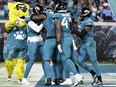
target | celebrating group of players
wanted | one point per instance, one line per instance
(59, 44)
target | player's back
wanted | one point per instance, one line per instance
(64, 18)
(49, 25)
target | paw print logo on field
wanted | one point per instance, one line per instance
(19, 35)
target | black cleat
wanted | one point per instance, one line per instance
(61, 80)
(99, 83)
(78, 83)
(57, 82)
(94, 79)
(48, 82)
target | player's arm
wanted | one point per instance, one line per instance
(58, 32)
(83, 32)
(39, 17)
(58, 36)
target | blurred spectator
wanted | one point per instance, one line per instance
(3, 36)
(75, 9)
(27, 1)
(94, 7)
(97, 3)
(3, 12)
(1, 1)
(99, 15)
(101, 4)
(69, 4)
(31, 7)
(87, 2)
(105, 4)
(32, 1)
(114, 18)
(93, 16)
(51, 3)
(42, 2)
(56, 1)
(107, 14)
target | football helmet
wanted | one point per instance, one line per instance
(85, 13)
(38, 8)
(60, 7)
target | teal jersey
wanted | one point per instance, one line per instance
(49, 25)
(3, 13)
(89, 35)
(31, 32)
(65, 19)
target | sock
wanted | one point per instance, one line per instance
(92, 72)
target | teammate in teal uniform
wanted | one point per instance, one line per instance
(88, 48)
(35, 44)
(49, 49)
(65, 43)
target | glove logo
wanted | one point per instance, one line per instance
(19, 35)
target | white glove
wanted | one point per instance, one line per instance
(74, 46)
(59, 48)
(35, 27)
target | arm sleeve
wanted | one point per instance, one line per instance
(37, 18)
(35, 27)
(80, 34)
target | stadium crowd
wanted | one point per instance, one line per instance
(101, 8)
(101, 11)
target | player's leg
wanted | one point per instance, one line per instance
(56, 66)
(68, 63)
(93, 60)
(60, 68)
(48, 51)
(32, 48)
(74, 59)
(81, 61)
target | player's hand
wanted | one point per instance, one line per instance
(59, 48)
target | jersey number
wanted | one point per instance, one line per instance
(64, 22)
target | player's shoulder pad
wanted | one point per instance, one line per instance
(57, 16)
(88, 22)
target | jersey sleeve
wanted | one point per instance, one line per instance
(88, 22)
